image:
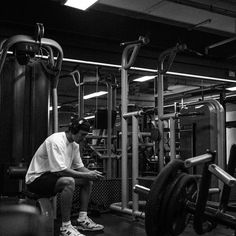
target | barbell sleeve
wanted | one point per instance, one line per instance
(222, 175)
(198, 160)
(141, 189)
(134, 113)
(168, 116)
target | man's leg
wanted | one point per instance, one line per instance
(66, 186)
(49, 184)
(85, 192)
(84, 222)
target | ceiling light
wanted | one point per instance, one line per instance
(80, 4)
(145, 78)
(51, 108)
(89, 117)
(97, 94)
(231, 88)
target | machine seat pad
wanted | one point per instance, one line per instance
(34, 196)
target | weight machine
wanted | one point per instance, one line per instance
(25, 100)
(128, 57)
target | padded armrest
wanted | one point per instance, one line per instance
(17, 172)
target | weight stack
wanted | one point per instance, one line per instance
(24, 115)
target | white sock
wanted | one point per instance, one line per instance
(66, 224)
(82, 214)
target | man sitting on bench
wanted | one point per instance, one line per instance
(56, 167)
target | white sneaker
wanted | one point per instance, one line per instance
(70, 231)
(86, 224)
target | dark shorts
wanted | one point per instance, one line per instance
(44, 185)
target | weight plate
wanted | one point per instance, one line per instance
(167, 195)
(176, 213)
(153, 223)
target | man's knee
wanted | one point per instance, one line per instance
(84, 182)
(90, 183)
(65, 182)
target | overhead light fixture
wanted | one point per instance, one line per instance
(80, 4)
(50, 108)
(231, 89)
(89, 117)
(97, 94)
(145, 78)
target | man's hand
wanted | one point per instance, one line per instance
(94, 175)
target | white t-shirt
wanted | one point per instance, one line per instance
(55, 154)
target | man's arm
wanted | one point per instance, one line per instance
(82, 169)
(82, 173)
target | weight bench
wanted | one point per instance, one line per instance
(42, 203)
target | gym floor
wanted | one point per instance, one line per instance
(117, 224)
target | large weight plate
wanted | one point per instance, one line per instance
(167, 194)
(154, 223)
(176, 213)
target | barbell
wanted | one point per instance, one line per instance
(176, 197)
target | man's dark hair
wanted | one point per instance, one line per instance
(78, 124)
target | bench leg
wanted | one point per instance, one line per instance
(46, 210)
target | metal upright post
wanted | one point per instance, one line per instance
(82, 100)
(170, 54)
(135, 160)
(160, 89)
(172, 139)
(124, 130)
(114, 161)
(109, 130)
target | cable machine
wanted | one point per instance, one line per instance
(28, 84)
